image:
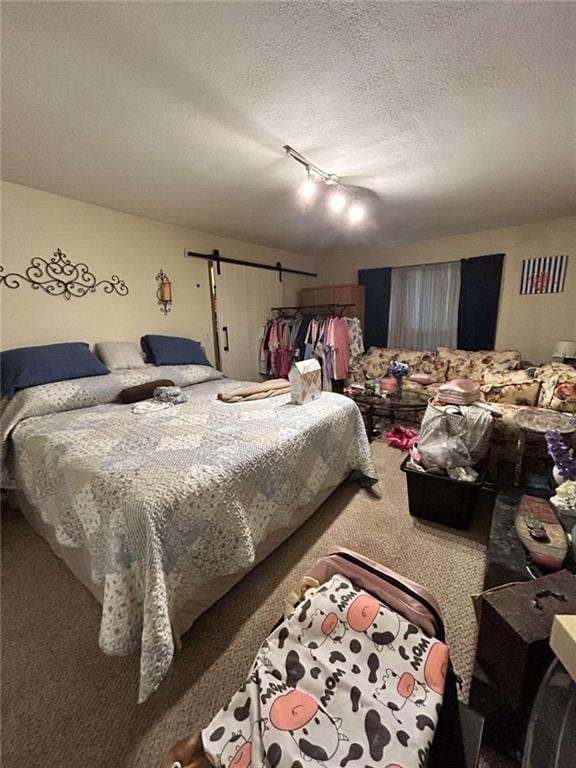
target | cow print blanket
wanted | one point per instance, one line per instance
(343, 682)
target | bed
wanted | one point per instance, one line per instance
(160, 514)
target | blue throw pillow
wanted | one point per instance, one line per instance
(30, 366)
(172, 350)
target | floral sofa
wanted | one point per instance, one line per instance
(442, 365)
(551, 386)
(503, 382)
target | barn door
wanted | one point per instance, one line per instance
(243, 297)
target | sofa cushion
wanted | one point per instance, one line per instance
(558, 390)
(424, 362)
(513, 392)
(548, 370)
(474, 365)
(511, 377)
(377, 360)
(491, 361)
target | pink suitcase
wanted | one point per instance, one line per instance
(399, 593)
(416, 604)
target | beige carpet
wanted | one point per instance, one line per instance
(66, 704)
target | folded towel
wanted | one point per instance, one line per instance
(265, 389)
(143, 391)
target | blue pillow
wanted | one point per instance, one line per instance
(30, 366)
(172, 350)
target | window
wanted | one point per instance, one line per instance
(424, 306)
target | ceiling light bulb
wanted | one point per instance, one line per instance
(308, 189)
(337, 201)
(356, 213)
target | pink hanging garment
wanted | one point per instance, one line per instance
(341, 346)
(284, 364)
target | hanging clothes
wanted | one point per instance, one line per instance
(341, 347)
(356, 338)
(300, 341)
(264, 353)
(311, 339)
(334, 341)
(322, 354)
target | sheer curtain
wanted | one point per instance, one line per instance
(424, 306)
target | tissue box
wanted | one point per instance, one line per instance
(305, 382)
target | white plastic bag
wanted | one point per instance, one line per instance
(454, 436)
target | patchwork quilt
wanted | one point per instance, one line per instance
(344, 679)
(168, 501)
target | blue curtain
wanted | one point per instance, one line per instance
(479, 299)
(377, 305)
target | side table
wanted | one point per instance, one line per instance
(538, 421)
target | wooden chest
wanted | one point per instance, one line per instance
(513, 637)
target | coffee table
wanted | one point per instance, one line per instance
(375, 407)
(538, 421)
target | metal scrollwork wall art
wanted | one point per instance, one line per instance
(164, 292)
(59, 277)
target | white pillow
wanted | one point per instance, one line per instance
(120, 354)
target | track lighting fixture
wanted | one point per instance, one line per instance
(340, 198)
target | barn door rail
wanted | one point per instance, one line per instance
(215, 257)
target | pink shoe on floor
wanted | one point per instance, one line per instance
(402, 438)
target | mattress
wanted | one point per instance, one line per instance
(159, 514)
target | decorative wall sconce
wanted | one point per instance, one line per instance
(164, 292)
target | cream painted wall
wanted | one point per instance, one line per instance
(35, 223)
(531, 324)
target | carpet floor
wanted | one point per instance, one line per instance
(66, 704)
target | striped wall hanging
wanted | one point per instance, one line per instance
(543, 275)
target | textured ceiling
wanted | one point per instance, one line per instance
(458, 116)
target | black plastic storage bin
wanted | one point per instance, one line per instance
(441, 499)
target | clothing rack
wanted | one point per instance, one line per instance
(310, 332)
(329, 309)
